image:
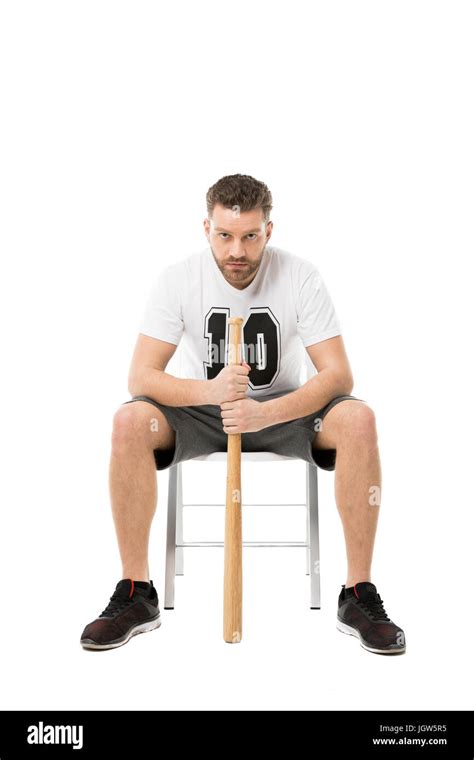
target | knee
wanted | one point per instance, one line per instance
(130, 425)
(359, 423)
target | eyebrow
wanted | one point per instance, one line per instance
(221, 229)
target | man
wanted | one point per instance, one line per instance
(285, 305)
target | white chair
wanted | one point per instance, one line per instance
(175, 544)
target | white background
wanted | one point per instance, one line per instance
(115, 119)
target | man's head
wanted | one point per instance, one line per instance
(238, 226)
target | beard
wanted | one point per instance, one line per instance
(240, 274)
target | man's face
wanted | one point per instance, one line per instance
(237, 240)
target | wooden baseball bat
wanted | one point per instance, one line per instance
(233, 517)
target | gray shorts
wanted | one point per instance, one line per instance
(199, 431)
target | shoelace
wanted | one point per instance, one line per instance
(116, 604)
(375, 608)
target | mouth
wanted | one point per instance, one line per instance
(237, 266)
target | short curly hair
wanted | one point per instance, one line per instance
(240, 190)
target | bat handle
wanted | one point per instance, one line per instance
(234, 344)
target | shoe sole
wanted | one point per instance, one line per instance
(344, 628)
(150, 625)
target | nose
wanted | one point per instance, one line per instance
(237, 251)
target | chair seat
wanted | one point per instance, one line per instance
(247, 456)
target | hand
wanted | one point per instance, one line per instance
(244, 416)
(230, 384)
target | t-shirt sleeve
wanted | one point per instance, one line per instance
(162, 317)
(316, 316)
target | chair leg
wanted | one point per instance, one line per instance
(179, 522)
(170, 569)
(308, 557)
(313, 519)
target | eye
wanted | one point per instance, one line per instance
(223, 233)
(252, 235)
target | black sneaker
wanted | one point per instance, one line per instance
(132, 609)
(361, 613)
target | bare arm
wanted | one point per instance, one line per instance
(147, 377)
(334, 378)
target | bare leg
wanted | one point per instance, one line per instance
(138, 429)
(350, 428)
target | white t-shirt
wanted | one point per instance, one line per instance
(285, 307)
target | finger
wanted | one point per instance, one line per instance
(239, 391)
